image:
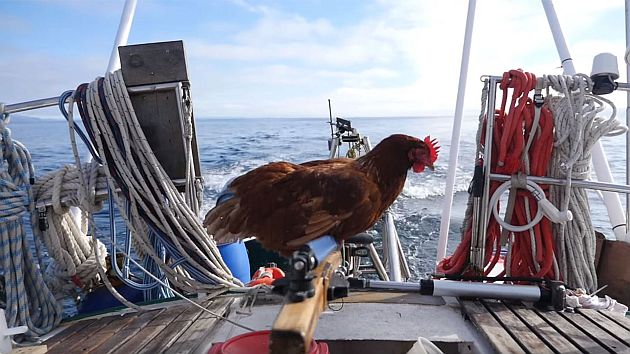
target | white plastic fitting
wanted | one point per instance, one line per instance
(5, 334)
(605, 64)
(544, 208)
(552, 213)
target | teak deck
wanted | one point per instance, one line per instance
(508, 327)
(175, 329)
(516, 328)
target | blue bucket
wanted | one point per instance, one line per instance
(235, 257)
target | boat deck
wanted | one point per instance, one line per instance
(176, 329)
(516, 328)
(505, 326)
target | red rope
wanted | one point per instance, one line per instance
(512, 130)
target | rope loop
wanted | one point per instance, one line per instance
(29, 301)
(578, 127)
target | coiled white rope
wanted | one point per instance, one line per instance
(28, 300)
(577, 129)
(150, 191)
(74, 264)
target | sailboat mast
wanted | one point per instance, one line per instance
(457, 124)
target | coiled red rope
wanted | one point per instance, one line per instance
(512, 129)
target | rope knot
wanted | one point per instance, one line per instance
(519, 180)
(4, 120)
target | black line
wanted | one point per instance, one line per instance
(593, 337)
(505, 327)
(616, 226)
(532, 328)
(560, 331)
(581, 312)
(612, 318)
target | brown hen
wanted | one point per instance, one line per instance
(286, 205)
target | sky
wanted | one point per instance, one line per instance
(286, 58)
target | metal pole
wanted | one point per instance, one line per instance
(627, 10)
(601, 186)
(478, 241)
(483, 290)
(35, 104)
(561, 45)
(445, 221)
(600, 163)
(390, 240)
(124, 27)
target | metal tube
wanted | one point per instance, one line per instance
(445, 220)
(393, 285)
(486, 290)
(53, 101)
(101, 194)
(565, 58)
(29, 105)
(334, 145)
(122, 35)
(157, 87)
(600, 163)
(404, 266)
(627, 13)
(378, 265)
(478, 243)
(367, 143)
(390, 239)
(602, 186)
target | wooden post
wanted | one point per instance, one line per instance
(293, 329)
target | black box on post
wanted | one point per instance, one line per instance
(156, 77)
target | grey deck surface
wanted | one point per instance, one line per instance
(516, 328)
(176, 329)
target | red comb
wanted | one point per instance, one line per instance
(433, 147)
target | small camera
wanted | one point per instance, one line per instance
(604, 73)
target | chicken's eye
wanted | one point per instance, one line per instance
(414, 155)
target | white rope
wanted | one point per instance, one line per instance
(150, 191)
(74, 264)
(577, 129)
(28, 300)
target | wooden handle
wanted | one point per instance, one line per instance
(293, 329)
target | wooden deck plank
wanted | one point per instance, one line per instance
(167, 337)
(98, 338)
(155, 327)
(80, 335)
(173, 330)
(35, 349)
(572, 333)
(500, 340)
(556, 340)
(518, 328)
(140, 339)
(112, 344)
(192, 337)
(621, 320)
(69, 331)
(169, 313)
(596, 333)
(613, 328)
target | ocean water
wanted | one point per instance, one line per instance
(231, 147)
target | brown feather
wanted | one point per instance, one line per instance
(286, 205)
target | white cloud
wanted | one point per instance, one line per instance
(403, 58)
